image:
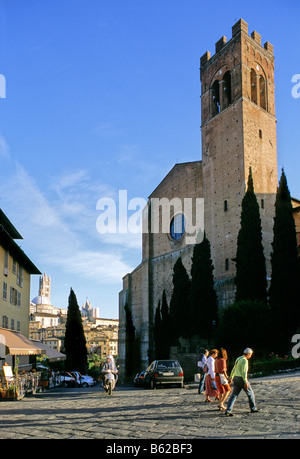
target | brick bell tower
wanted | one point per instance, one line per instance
(238, 128)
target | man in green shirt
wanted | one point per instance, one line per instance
(239, 376)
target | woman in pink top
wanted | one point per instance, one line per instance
(221, 369)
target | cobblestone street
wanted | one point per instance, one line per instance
(167, 413)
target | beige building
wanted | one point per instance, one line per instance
(15, 271)
(238, 127)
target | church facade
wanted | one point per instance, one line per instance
(238, 126)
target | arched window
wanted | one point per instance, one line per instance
(177, 227)
(226, 90)
(253, 86)
(262, 92)
(215, 95)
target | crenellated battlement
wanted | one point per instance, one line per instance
(238, 28)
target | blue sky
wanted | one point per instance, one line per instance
(103, 96)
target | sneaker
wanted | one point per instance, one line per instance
(228, 413)
(256, 410)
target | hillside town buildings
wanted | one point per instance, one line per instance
(48, 323)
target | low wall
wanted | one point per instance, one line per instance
(188, 361)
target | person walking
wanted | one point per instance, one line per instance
(239, 376)
(211, 389)
(202, 360)
(222, 377)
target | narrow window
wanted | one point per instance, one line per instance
(4, 291)
(253, 86)
(262, 92)
(4, 322)
(260, 134)
(227, 264)
(215, 98)
(225, 206)
(13, 296)
(5, 263)
(262, 203)
(226, 90)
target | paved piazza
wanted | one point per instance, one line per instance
(162, 414)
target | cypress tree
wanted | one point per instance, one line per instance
(165, 328)
(158, 332)
(130, 358)
(251, 276)
(75, 342)
(283, 293)
(180, 310)
(204, 306)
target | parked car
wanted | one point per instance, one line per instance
(162, 372)
(87, 381)
(66, 379)
(139, 380)
(83, 380)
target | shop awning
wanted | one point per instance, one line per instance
(17, 344)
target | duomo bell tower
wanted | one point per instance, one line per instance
(238, 127)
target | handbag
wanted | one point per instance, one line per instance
(223, 379)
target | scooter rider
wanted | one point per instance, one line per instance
(109, 367)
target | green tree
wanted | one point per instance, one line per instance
(204, 305)
(244, 323)
(180, 306)
(251, 276)
(75, 342)
(283, 292)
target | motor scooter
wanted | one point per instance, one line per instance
(109, 382)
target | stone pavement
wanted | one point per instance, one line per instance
(162, 414)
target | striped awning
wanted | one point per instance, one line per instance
(17, 344)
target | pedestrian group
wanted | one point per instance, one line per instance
(216, 383)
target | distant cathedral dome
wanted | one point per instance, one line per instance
(41, 300)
